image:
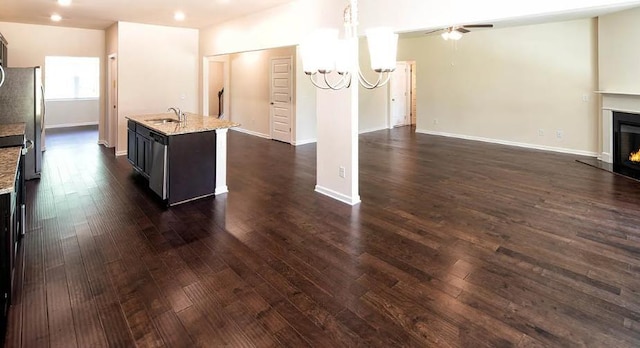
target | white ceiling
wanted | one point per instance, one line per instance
(100, 14)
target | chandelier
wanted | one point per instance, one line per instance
(323, 53)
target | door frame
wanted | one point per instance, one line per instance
(111, 121)
(408, 99)
(205, 84)
(291, 96)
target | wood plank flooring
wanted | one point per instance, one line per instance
(455, 244)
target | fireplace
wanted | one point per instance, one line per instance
(626, 144)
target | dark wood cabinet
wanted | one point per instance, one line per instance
(139, 148)
(131, 142)
(185, 164)
(11, 221)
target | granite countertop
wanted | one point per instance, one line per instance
(9, 160)
(12, 129)
(193, 124)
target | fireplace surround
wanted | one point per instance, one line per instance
(626, 143)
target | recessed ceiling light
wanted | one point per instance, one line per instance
(179, 16)
(56, 17)
(64, 2)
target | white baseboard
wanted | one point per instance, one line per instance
(221, 190)
(67, 125)
(511, 143)
(121, 153)
(338, 196)
(103, 142)
(606, 157)
(304, 142)
(246, 131)
(372, 130)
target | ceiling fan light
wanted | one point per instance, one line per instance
(383, 49)
(455, 35)
(445, 35)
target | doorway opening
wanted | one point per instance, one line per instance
(216, 91)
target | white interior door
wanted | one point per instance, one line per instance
(281, 99)
(400, 96)
(112, 112)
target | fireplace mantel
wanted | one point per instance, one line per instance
(615, 101)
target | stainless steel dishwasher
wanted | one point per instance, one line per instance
(158, 173)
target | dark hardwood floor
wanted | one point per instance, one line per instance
(455, 244)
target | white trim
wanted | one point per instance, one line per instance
(338, 196)
(606, 157)
(511, 143)
(304, 142)
(103, 142)
(121, 153)
(67, 125)
(221, 161)
(373, 130)
(72, 99)
(256, 134)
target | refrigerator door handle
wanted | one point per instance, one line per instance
(44, 109)
(1, 77)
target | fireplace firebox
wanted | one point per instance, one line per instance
(626, 144)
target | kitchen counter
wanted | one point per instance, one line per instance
(9, 161)
(12, 129)
(182, 161)
(194, 123)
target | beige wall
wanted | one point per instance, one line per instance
(249, 88)
(619, 52)
(28, 46)
(305, 106)
(157, 69)
(216, 83)
(508, 84)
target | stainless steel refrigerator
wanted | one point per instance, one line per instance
(22, 100)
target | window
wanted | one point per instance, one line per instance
(72, 77)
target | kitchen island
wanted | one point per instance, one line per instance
(183, 160)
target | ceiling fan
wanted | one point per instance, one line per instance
(455, 32)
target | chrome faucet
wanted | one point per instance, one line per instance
(181, 116)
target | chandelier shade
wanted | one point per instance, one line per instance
(322, 52)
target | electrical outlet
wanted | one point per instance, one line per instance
(585, 98)
(435, 121)
(559, 133)
(540, 132)
(341, 172)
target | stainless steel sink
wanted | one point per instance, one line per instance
(158, 121)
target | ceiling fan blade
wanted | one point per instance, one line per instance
(433, 31)
(478, 26)
(462, 30)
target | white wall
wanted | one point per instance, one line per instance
(28, 46)
(71, 113)
(157, 69)
(508, 84)
(619, 51)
